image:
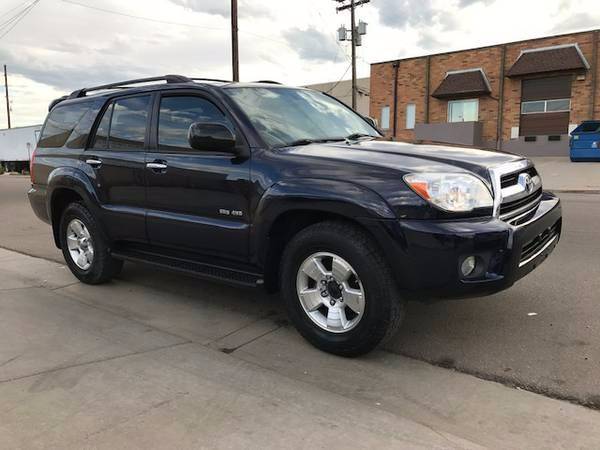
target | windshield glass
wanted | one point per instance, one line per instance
(284, 116)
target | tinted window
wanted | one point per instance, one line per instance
(177, 114)
(60, 123)
(128, 123)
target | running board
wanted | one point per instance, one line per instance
(190, 267)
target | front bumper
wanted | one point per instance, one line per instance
(426, 255)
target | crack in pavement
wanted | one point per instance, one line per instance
(87, 363)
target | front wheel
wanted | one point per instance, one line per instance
(85, 248)
(339, 290)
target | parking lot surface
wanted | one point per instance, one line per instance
(542, 334)
(149, 361)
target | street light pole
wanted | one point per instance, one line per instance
(235, 61)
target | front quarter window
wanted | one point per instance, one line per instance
(286, 115)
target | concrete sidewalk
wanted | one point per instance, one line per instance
(559, 174)
(143, 366)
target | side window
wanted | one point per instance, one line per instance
(128, 123)
(60, 123)
(177, 114)
(123, 125)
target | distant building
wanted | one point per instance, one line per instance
(16, 146)
(523, 96)
(342, 90)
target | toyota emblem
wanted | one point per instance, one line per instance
(526, 182)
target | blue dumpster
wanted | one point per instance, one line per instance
(585, 141)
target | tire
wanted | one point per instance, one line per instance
(383, 308)
(98, 267)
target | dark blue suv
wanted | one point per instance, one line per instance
(260, 184)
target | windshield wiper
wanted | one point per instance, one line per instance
(307, 141)
(356, 136)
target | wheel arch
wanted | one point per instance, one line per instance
(287, 208)
(65, 186)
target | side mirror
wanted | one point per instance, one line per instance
(371, 121)
(211, 137)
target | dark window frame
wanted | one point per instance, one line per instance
(70, 132)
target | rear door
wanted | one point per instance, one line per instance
(117, 157)
(197, 200)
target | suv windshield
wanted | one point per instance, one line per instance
(288, 116)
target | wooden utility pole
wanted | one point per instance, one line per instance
(7, 100)
(354, 36)
(353, 33)
(235, 60)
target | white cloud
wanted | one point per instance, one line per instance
(61, 46)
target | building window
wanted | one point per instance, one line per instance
(410, 116)
(546, 106)
(463, 110)
(385, 118)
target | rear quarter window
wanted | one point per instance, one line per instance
(60, 123)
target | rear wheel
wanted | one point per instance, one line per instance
(85, 248)
(339, 290)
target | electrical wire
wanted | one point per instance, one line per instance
(7, 26)
(340, 80)
(167, 22)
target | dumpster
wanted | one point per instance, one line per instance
(585, 142)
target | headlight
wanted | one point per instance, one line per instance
(455, 192)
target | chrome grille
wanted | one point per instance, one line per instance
(517, 191)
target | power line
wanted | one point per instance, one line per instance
(168, 22)
(13, 21)
(340, 80)
(12, 9)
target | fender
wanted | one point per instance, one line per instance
(313, 194)
(77, 181)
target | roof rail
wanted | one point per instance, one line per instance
(127, 83)
(210, 79)
(268, 82)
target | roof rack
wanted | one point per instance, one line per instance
(124, 84)
(268, 82)
(210, 79)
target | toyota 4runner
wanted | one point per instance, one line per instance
(260, 184)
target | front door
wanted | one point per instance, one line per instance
(197, 201)
(118, 160)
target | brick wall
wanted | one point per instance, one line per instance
(412, 87)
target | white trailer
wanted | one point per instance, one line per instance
(17, 144)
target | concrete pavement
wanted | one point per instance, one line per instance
(555, 350)
(561, 175)
(139, 365)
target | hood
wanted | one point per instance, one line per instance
(406, 157)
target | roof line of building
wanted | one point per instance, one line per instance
(486, 46)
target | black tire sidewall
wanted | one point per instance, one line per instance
(100, 269)
(373, 325)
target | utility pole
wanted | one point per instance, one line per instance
(7, 100)
(235, 60)
(355, 36)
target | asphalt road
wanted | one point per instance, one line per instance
(543, 334)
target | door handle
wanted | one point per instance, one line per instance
(94, 162)
(156, 166)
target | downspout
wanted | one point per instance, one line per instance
(396, 66)
(427, 78)
(594, 74)
(500, 122)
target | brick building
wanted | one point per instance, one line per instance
(522, 96)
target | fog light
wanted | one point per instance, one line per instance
(468, 266)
